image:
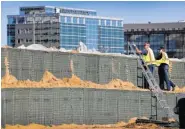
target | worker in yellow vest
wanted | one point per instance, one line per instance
(148, 58)
(163, 69)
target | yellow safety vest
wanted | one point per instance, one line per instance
(164, 59)
(148, 58)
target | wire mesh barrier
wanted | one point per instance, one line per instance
(54, 106)
(99, 68)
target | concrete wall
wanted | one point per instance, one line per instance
(75, 105)
(27, 64)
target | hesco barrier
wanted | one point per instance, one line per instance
(30, 64)
(76, 105)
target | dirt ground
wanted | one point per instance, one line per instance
(131, 124)
(120, 125)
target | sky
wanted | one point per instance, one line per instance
(131, 12)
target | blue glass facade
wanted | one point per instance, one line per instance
(49, 10)
(172, 42)
(11, 31)
(71, 34)
(105, 35)
(156, 40)
(75, 25)
(92, 33)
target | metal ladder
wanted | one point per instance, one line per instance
(153, 85)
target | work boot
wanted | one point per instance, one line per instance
(173, 88)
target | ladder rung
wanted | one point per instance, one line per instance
(139, 77)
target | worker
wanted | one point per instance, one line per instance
(163, 69)
(163, 62)
(149, 58)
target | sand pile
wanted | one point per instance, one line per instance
(177, 89)
(120, 125)
(8, 79)
(50, 81)
(48, 77)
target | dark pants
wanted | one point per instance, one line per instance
(151, 67)
(172, 84)
(164, 76)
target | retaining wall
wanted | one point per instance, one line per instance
(75, 105)
(30, 64)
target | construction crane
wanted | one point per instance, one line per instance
(153, 85)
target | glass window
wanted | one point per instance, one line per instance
(11, 20)
(103, 22)
(63, 19)
(108, 23)
(81, 20)
(120, 23)
(68, 19)
(113, 23)
(75, 20)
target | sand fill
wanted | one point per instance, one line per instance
(50, 81)
(8, 78)
(48, 77)
(120, 125)
(177, 89)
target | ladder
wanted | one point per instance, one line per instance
(153, 85)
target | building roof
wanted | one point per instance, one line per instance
(155, 26)
(93, 17)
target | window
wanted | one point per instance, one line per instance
(11, 20)
(120, 23)
(63, 19)
(68, 19)
(108, 22)
(81, 20)
(18, 40)
(26, 40)
(75, 20)
(113, 23)
(103, 22)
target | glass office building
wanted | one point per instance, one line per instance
(169, 35)
(104, 34)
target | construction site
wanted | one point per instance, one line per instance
(73, 68)
(53, 89)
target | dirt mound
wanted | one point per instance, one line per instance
(177, 89)
(120, 125)
(48, 77)
(50, 81)
(8, 79)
